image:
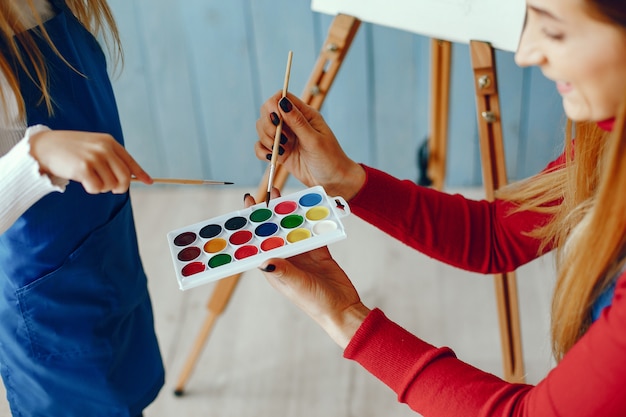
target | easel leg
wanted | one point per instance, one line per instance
(441, 52)
(494, 177)
(510, 331)
(340, 37)
(220, 297)
(217, 303)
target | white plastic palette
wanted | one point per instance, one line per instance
(239, 241)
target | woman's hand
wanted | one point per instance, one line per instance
(311, 152)
(95, 160)
(315, 283)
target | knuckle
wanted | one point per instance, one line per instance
(82, 168)
(90, 188)
(298, 121)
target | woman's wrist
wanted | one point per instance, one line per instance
(342, 327)
(350, 182)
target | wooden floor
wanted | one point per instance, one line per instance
(266, 359)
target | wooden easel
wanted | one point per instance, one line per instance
(494, 177)
(339, 39)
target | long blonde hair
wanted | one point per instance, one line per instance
(95, 15)
(587, 228)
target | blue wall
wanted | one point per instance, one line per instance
(196, 73)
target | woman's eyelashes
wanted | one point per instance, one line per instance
(557, 36)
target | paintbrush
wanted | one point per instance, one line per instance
(279, 130)
(185, 181)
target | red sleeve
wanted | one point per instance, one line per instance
(478, 236)
(589, 381)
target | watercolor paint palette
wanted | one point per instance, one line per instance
(223, 246)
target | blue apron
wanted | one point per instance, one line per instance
(76, 325)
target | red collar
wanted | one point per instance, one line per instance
(607, 124)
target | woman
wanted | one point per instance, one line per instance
(576, 206)
(76, 325)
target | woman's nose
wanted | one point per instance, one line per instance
(529, 50)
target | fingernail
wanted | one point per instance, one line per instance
(268, 156)
(269, 268)
(285, 104)
(274, 118)
(245, 196)
(283, 139)
(281, 150)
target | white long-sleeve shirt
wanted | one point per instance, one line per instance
(21, 183)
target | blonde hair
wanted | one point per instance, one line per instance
(95, 15)
(587, 228)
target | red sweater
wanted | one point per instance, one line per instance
(589, 381)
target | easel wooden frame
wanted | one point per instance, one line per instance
(494, 177)
(339, 39)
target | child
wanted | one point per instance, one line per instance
(76, 326)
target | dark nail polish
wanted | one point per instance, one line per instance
(268, 156)
(283, 139)
(269, 268)
(285, 104)
(245, 196)
(274, 118)
(281, 150)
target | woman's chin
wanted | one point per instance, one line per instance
(576, 113)
(583, 113)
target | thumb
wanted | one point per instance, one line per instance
(278, 270)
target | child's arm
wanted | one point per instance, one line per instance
(44, 161)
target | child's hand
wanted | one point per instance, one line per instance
(95, 160)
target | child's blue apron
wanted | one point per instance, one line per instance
(76, 324)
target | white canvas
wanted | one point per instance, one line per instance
(498, 22)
